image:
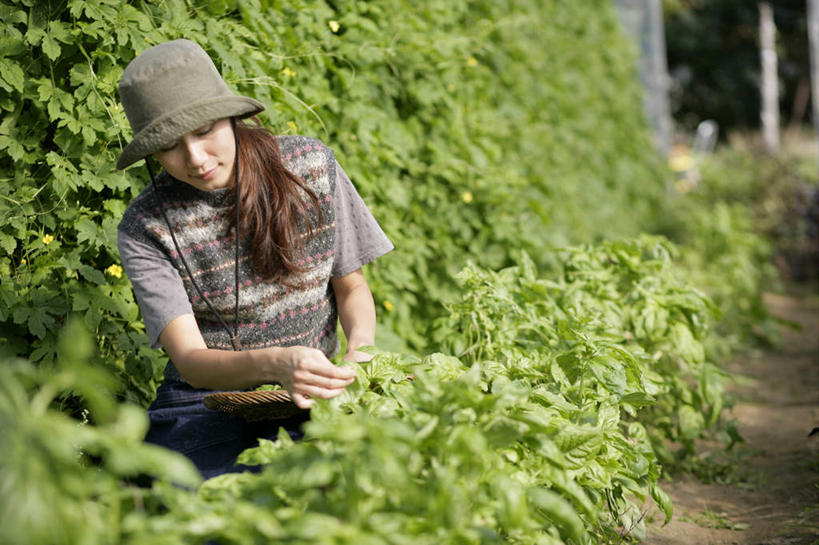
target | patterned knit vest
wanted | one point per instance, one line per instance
(270, 314)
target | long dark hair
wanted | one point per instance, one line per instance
(271, 202)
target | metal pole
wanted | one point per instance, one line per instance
(659, 75)
(813, 39)
(642, 22)
(770, 79)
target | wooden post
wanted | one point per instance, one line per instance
(813, 39)
(770, 79)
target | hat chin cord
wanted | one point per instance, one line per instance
(234, 336)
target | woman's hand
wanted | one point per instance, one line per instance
(307, 373)
(303, 372)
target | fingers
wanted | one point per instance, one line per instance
(313, 362)
(304, 395)
(316, 392)
(301, 401)
(311, 378)
(318, 386)
(312, 375)
(327, 370)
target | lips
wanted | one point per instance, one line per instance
(207, 175)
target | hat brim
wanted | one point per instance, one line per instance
(174, 125)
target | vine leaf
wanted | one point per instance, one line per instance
(11, 76)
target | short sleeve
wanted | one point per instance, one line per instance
(359, 238)
(157, 285)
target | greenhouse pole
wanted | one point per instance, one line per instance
(770, 80)
(813, 40)
(642, 22)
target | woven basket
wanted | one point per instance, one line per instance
(254, 406)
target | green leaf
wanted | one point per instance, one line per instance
(21, 314)
(51, 47)
(60, 31)
(11, 75)
(45, 351)
(559, 511)
(712, 388)
(92, 318)
(17, 17)
(691, 422)
(610, 373)
(13, 146)
(7, 243)
(36, 25)
(63, 170)
(663, 502)
(92, 274)
(686, 346)
(608, 416)
(571, 438)
(87, 231)
(89, 136)
(39, 321)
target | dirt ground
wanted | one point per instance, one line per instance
(771, 496)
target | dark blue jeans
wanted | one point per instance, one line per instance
(212, 440)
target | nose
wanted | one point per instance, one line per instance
(195, 153)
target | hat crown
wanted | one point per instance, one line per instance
(166, 78)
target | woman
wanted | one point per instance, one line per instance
(285, 276)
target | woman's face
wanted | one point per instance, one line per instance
(202, 158)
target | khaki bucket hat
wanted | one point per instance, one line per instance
(172, 89)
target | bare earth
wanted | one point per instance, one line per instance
(776, 501)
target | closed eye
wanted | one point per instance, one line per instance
(202, 131)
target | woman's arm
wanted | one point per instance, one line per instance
(302, 371)
(356, 310)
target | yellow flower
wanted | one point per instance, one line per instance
(288, 72)
(681, 163)
(389, 306)
(23, 261)
(292, 126)
(472, 61)
(467, 196)
(114, 270)
(334, 26)
(48, 239)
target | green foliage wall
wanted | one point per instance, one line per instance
(473, 129)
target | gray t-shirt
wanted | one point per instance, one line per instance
(161, 294)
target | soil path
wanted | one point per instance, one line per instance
(772, 497)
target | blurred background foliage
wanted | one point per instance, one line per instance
(713, 61)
